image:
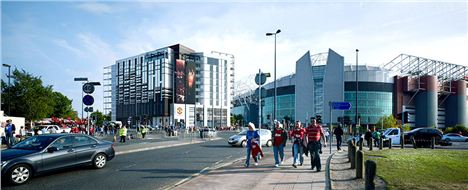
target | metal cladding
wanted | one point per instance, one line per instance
(426, 102)
(455, 106)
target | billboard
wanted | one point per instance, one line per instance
(185, 77)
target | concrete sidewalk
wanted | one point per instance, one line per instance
(263, 176)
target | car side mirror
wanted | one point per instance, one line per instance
(52, 149)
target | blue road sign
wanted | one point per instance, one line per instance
(88, 100)
(341, 105)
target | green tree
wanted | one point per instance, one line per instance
(63, 106)
(29, 98)
(388, 122)
(98, 117)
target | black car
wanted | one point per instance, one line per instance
(38, 154)
(423, 136)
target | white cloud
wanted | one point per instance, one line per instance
(96, 8)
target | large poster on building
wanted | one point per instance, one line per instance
(190, 82)
(179, 81)
(185, 77)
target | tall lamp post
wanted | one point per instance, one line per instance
(274, 100)
(9, 76)
(357, 89)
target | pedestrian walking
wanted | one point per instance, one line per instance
(123, 134)
(314, 134)
(144, 130)
(297, 137)
(10, 130)
(376, 135)
(338, 133)
(252, 135)
(280, 137)
(22, 133)
(256, 151)
(367, 137)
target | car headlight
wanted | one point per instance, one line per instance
(3, 163)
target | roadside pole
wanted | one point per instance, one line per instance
(331, 126)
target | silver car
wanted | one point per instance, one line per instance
(454, 137)
(240, 139)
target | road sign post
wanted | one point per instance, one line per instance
(336, 106)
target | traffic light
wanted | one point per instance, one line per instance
(405, 116)
(198, 117)
(268, 117)
(319, 119)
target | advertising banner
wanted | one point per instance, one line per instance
(180, 81)
(190, 82)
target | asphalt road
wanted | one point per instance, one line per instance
(152, 169)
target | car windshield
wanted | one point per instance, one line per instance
(34, 143)
(243, 133)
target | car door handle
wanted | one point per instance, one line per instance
(71, 150)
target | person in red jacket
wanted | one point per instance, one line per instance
(297, 137)
(280, 138)
(256, 149)
(314, 134)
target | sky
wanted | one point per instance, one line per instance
(62, 40)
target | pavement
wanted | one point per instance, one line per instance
(263, 176)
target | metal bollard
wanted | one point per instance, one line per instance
(371, 144)
(353, 157)
(389, 143)
(414, 143)
(350, 144)
(402, 141)
(361, 142)
(359, 164)
(433, 143)
(380, 144)
(371, 170)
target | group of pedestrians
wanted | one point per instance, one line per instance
(306, 141)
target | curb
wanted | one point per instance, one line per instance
(327, 173)
(215, 166)
(159, 147)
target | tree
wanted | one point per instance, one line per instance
(29, 98)
(388, 122)
(63, 106)
(98, 117)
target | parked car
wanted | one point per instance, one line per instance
(208, 132)
(455, 137)
(423, 136)
(42, 153)
(392, 133)
(54, 128)
(240, 139)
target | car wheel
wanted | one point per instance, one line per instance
(20, 174)
(243, 144)
(99, 161)
(269, 143)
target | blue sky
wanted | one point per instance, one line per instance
(63, 40)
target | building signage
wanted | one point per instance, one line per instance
(179, 111)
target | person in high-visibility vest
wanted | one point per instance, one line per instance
(144, 130)
(123, 134)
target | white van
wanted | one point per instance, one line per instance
(394, 134)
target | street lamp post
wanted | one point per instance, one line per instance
(9, 85)
(357, 89)
(274, 100)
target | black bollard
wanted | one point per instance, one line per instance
(350, 144)
(371, 144)
(359, 164)
(402, 141)
(353, 157)
(380, 144)
(371, 170)
(361, 142)
(433, 143)
(390, 143)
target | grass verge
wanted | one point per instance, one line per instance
(422, 168)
